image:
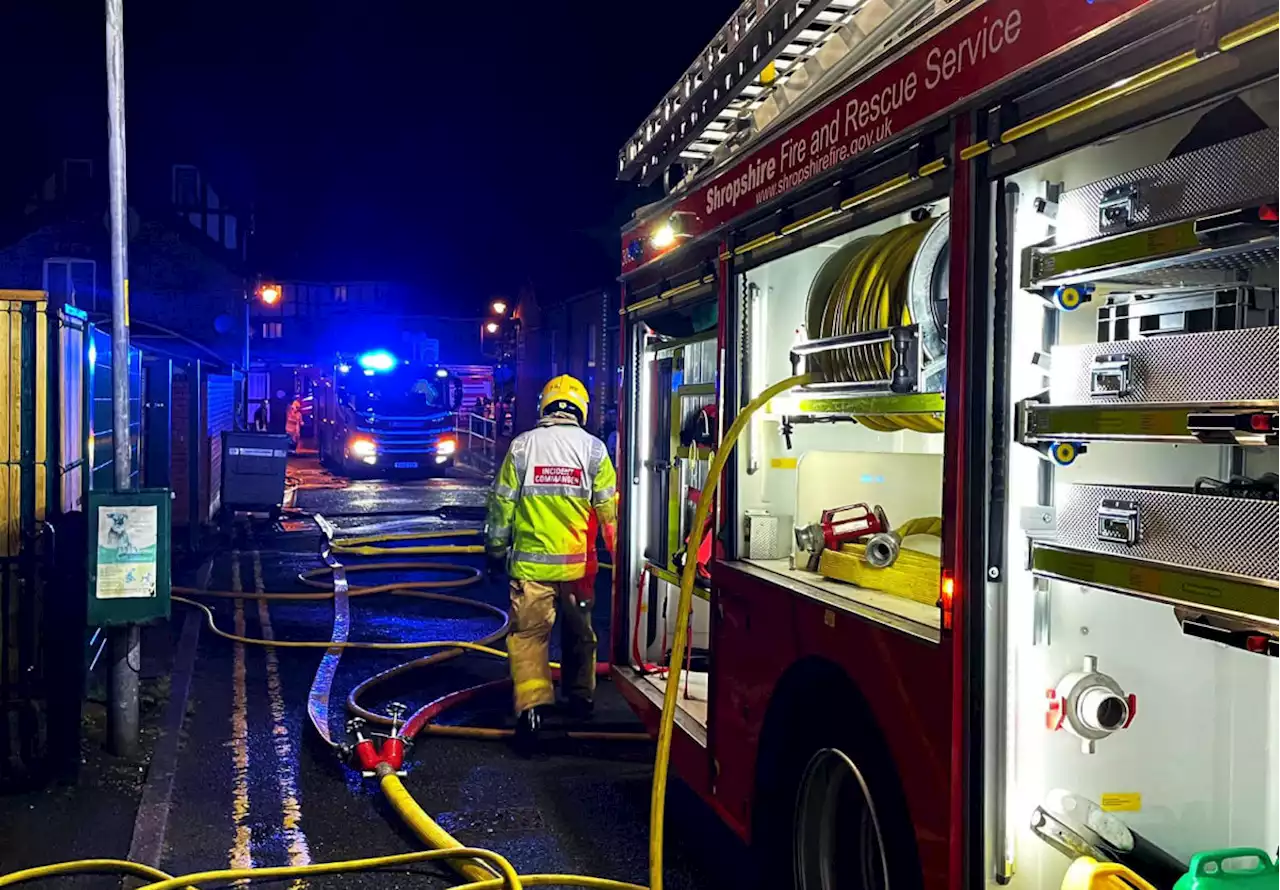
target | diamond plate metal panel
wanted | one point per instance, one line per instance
(1234, 173)
(762, 533)
(1240, 536)
(1215, 366)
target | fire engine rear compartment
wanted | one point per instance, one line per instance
(815, 450)
(848, 441)
(1131, 676)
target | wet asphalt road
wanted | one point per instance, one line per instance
(256, 784)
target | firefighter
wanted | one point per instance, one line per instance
(293, 423)
(555, 488)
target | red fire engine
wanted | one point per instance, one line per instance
(1026, 253)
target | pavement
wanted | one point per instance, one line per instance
(91, 814)
(254, 784)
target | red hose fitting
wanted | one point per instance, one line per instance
(393, 752)
(367, 756)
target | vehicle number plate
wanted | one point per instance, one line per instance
(406, 465)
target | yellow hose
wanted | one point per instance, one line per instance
(555, 881)
(870, 294)
(924, 525)
(357, 545)
(82, 867)
(342, 545)
(502, 876)
(658, 793)
(329, 644)
(509, 879)
(426, 828)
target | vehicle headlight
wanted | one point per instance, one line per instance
(363, 448)
(446, 446)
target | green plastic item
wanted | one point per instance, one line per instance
(1207, 871)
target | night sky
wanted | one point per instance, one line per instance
(463, 147)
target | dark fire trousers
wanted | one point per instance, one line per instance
(533, 613)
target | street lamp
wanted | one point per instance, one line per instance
(491, 327)
(269, 294)
(499, 307)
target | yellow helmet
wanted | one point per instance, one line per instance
(567, 390)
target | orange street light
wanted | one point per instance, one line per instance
(269, 294)
(499, 307)
(491, 327)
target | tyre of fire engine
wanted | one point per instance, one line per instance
(829, 812)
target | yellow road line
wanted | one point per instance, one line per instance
(242, 845)
(286, 761)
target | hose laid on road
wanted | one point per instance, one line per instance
(467, 860)
(83, 867)
(422, 720)
(357, 546)
(509, 880)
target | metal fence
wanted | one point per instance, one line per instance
(477, 442)
(44, 399)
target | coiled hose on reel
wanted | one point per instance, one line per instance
(870, 294)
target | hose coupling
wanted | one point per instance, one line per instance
(371, 760)
(882, 549)
(1090, 705)
(396, 710)
(392, 753)
(366, 756)
(374, 752)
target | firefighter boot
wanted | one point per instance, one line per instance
(579, 709)
(528, 731)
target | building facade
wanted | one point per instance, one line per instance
(187, 254)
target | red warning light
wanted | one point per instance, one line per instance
(947, 599)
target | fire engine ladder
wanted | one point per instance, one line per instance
(769, 62)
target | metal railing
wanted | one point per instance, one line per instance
(478, 441)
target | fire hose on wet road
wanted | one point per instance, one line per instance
(480, 869)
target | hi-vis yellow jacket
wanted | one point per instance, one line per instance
(556, 486)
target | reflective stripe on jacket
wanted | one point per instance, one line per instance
(555, 488)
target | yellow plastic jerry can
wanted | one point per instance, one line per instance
(1087, 873)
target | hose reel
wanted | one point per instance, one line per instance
(874, 283)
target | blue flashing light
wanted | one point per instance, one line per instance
(93, 352)
(441, 373)
(378, 360)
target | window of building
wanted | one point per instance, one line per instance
(71, 282)
(593, 344)
(272, 330)
(340, 293)
(186, 185)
